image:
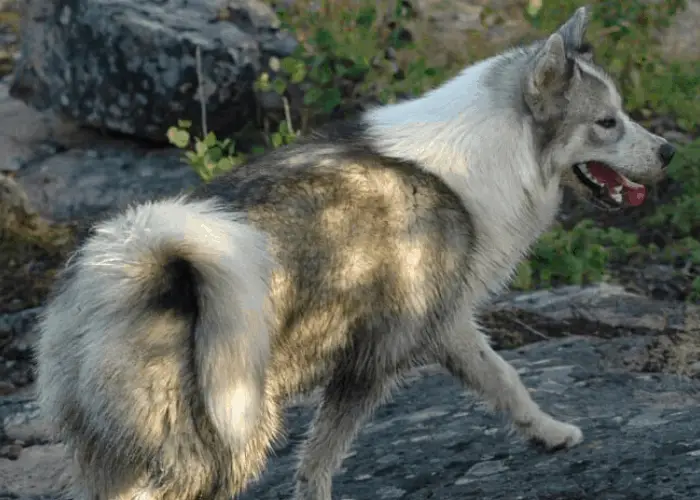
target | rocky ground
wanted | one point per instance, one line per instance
(615, 374)
(624, 366)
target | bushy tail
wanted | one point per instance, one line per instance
(194, 260)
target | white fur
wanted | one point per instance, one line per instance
(232, 344)
(482, 149)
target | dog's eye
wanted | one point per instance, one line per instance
(607, 123)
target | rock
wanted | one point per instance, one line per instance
(17, 338)
(27, 134)
(70, 173)
(609, 311)
(641, 437)
(639, 413)
(83, 184)
(19, 328)
(433, 440)
(8, 5)
(603, 303)
(11, 451)
(129, 65)
(38, 470)
(14, 205)
(6, 388)
(27, 425)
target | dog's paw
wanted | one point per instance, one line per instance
(553, 435)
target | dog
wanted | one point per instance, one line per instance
(176, 333)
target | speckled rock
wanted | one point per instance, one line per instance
(86, 184)
(642, 437)
(631, 396)
(129, 65)
(435, 441)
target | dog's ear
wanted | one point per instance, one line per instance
(548, 78)
(573, 31)
(549, 71)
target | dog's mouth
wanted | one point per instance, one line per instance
(609, 186)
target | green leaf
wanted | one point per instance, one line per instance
(324, 39)
(279, 86)
(331, 99)
(210, 140)
(299, 73)
(192, 157)
(274, 64)
(215, 154)
(284, 128)
(262, 83)
(523, 277)
(224, 164)
(200, 148)
(289, 65)
(276, 140)
(312, 96)
(178, 137)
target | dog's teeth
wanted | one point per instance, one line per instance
(618, 189)
(584, 170)
(617, 196)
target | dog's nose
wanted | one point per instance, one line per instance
(666, 152)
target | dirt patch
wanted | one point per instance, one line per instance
(677, 353)
(9, 35)
(512, 329)
(31, 250)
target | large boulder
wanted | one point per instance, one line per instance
(130, 66)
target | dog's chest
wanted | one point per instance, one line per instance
(506, 235)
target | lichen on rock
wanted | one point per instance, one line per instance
(129, 66)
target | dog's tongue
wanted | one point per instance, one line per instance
(634, 193)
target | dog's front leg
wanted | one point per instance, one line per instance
(466, 353)
(348, 401)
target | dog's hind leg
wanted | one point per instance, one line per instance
(467, 355)
(348, 401)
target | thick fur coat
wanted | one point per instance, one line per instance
(180, 328)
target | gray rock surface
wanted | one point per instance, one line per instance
(71, 173)
(604, 303)
(129, 65)
(433, 440)
(86, 183)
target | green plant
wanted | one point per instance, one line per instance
(349, 51)
(577, 256)
(682, 214)
(208, 156)
(285, 133)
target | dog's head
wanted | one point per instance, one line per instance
(585, 135)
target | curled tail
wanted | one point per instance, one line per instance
(134, 284)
